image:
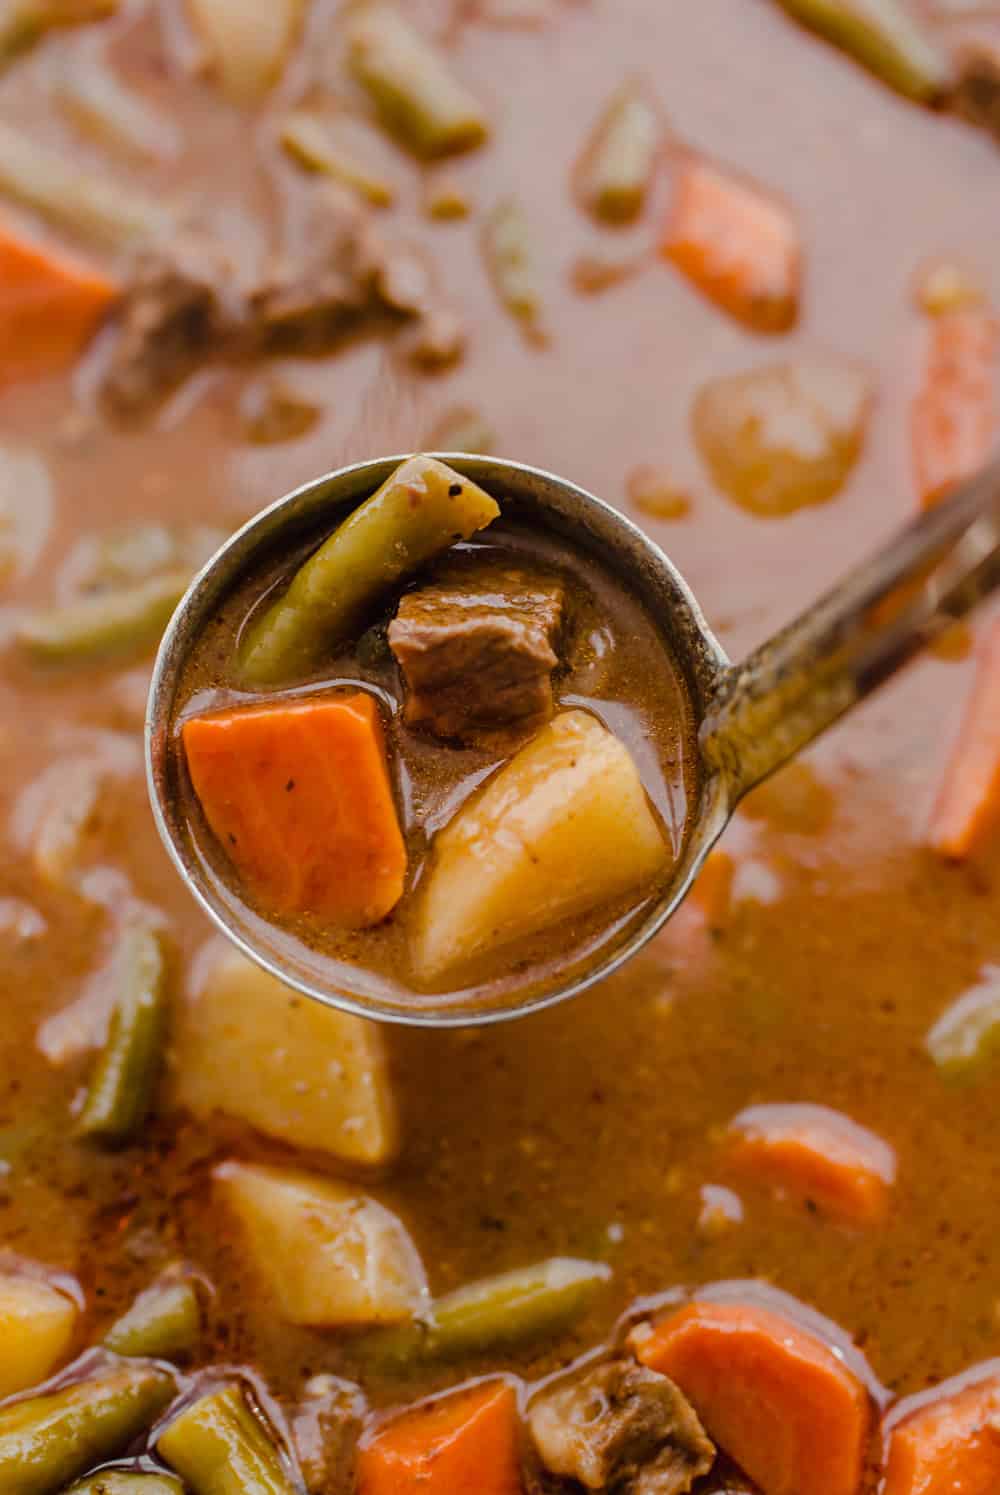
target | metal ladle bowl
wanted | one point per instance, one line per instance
(751, 717)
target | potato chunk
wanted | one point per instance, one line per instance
(329, 1254)
(563, 827)
(36, 1328)
(251, 1047)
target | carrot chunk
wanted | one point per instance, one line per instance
(953, 422)
(713, 888)
(738, 244)
(968, 803)
(948, 1447)
(298, 793)
(819, 1155)
(50, 307)
(464, 1444)
(775, 1398)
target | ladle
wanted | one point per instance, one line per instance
(752, 716)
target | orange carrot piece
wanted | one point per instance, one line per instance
(463, 1444)
(819, 1155)
(953, 422)
(968, 803)
(775, 1398)
(50, 307)
(713, 888)
(947, 1447)
(737, 243)
(298, 793)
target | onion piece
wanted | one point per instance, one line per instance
(247, 45)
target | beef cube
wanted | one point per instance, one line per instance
(477, 648)
(620, 1427)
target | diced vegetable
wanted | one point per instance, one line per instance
(818, 1156)
(50, 308)
(91, 208)
(163, 1323)
(127, 1482)
(247, 46)
(509, 1309)
(737, 243)
(462, 430)
(954, 420)
(968, 802)
(417, 96)
(882, 35)
(946, 286)
(26, 505)
(780, 438)
(247, 1045)
(948, 1446)
(779, 1401)
(298, 794)
(75, 792)
(25, 22)
(219, 1447)
(105, 626)
(616, 169)
(446, 199)
(967, 1034)
(99, 104)
(120, 1092)
(657, 493)
(564, 826)
(463, 1442)
(313, 141)
(510, 259)
(329, 1254)
(713, 888)
(419, 511)
(107, 560)
(37, 1323)
(48, 1440)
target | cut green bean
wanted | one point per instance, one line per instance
(218, 1447)
(24, 23)
(124, 1078)
(113, 115)
(967, 1034)
(884, 37)
(47, 1441)
(420, 510)
(312, 141)
(127, 1482)
(417, 97)
(525, 1304)
(125, 621)
(163, 1323)
(507, 247)
(616, 169)
(95, 210)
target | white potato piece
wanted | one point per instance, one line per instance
(562, 828)
(249, 1046)
(247, 45)
(37, 1323)
(329, 1254)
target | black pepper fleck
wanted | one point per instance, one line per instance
(454, 490)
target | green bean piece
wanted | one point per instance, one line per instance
(420, 510)
(124, 1078)
(884, 37)
(617, 166)
(47, 1441)
(507, 246)
(310, 140)
(126, 620)
(218, 1447)
(416, 95)
(127, 1482)
(113, 115)
(524, 1304)
(967, 1034)
(163, 1323)
(95, 210)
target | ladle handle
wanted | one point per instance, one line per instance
(934, 571)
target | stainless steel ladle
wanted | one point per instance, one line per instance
(752, 716)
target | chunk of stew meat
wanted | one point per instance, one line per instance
(620, 1427)
(477, 647)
